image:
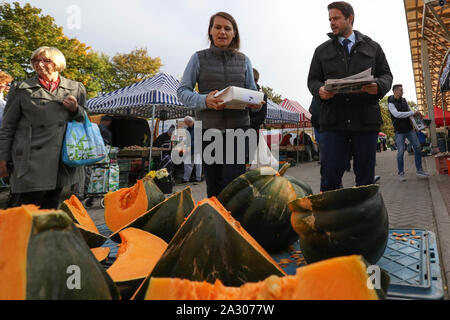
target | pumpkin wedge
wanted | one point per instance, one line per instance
(343, 278)
(212, 245)
(101, 254)
(138, 253)
(259, 200)
(76, 211)
(164, 219)
(341, 223)
(44, 257)
(127, 204)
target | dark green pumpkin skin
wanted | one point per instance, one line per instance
(93, 239)
(207, 248)
(341, 223)
(259, 201)
(55, 244)
(154, 194)
(164, 219)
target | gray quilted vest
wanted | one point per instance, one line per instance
(220, 69)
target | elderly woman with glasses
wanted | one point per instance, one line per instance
(33, 129)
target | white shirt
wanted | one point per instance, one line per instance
(400, 115)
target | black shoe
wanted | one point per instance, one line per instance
(376, 179)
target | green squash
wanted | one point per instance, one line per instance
(343, 222)
(212, 246)
(47, 259)
(259, 201)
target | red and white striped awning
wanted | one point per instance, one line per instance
(294, 106)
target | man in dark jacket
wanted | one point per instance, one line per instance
(349, 123)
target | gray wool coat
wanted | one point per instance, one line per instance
(32, 134)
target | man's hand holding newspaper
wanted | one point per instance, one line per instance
(361, 82)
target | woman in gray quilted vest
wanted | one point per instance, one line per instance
(214, 69)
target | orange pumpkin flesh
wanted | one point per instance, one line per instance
(127, 204)
(75, 209)
(343, 278)
(15, 229)
(101, 253)
(138, 253)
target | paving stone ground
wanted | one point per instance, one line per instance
(410, 204)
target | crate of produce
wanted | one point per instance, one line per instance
(441, 163)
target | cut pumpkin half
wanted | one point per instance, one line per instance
(212, 246)
(127, 204)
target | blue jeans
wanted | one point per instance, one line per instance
(337, 148)
(400, 141)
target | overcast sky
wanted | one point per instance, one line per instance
(279, 36)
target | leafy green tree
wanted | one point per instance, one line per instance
(133, 67)
(272, 95)
(387, 126)
(24, 29)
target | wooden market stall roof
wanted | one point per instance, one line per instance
(429, 21)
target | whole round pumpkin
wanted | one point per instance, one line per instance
(341, 223)
(259, 201)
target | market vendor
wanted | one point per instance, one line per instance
(165, 138)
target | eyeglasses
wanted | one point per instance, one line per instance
(44, 61)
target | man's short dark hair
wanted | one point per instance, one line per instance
(395, 87)
(344, 7)
(106, 118)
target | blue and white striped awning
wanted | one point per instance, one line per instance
(277, 114)
(139, 99)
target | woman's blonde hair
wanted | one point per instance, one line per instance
(5, 78)
(50, 53)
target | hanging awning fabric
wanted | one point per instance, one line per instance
(277, 114)
(439, 117)
(294, 106)
(139, 98)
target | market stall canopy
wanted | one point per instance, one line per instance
(294, 106)
(428, 24)
(439, 117)
(139, 99)
(278, 115)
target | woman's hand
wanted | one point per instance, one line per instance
(71, 104)
(3, 169)
(214, 103)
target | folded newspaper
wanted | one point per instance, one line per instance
(350, 84)
(417, 122)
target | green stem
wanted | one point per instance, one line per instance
(284, 169)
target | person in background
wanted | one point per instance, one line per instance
(33, 129)
(105, 122)
(257, 118)
(286, 141)
(305, 140)
(400, 114)
(5, 80)
(194, 154)
(349, 122)
(213, 69)
(165, 138)
(314, 109)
